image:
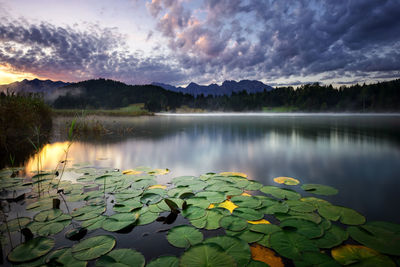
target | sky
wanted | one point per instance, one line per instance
(282, 42)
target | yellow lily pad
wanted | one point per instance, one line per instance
(286, 180)
(158, 171)
(246, 195)
(131, 172)
(233, 174)
(160, 186)
(262, 221)
(229, 205)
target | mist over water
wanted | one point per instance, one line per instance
(359, 154)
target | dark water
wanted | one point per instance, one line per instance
(357, 154)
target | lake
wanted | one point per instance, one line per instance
(358, 154)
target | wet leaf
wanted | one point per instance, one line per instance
(345, 215)
(360, 256)
(233, 223)
(291, 244)
(233, 174)
(316, 259)
(280, 193)
(93, 247)
(146, 218)
(248, 214)
(303, 227)
(332, 237)
(319, 189)
(64, 256)
(50, 229)
(246, 201)
(209, 255)
(119, 221)
(266, 255)
(184, 236)
(122, 257)
(164, 261)
(236, 248)
(229, 205)
(210, 221)
(381, 236)
(262, 221)
(31, 249)
(286, 180)
(47, 215)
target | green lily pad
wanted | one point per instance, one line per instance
(127, 206)
(275, 207)
(47, 215)
(253, 186)
(64, 256)
(209, 255)
(319, 189)
(95, 223)
(201, 202)
(248, 214)
(300, 206)
(147, 217)
(291, 244)
(184, 236)
(193, 212)
(150, 198)
(381, 236)
(87, 209)
(233, 223)
(345, 215)
(309, 216)
(303, 227)
(246, 202)
(210, 221)
(164, 261)
(247, 235)
(31, 249)
(236, 248)
(332, 237)
(280, 193)
(119, 221)
(254, 263)
(360, 256)
(50, 229)
(316, 259)
(15, 224)
(93, 247)
(122, 257)
(212, 197)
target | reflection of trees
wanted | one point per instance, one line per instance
(243, 128)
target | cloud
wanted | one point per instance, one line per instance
(68, 54)
(283, 39)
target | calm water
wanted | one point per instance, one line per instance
(357, 154)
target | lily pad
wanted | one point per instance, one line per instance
(146, 218)
(193, 212)
(119, 221)
(286, 180)
(291, 244)
(253, 185)
(381, 236)
(248, 214)
(280, 193)
(15, 224)
(316, 259)
(319, 189)
(93, 247)
(47, 215)
(31, 249)
(345, 215)
(233, 223)
(184, 236)
(236, 248)
(150, 198)
(64, 256)
(303, 227)
(50, 229)
(246, 202)
(212, 197)
(247, 235)
(209, 255)
(164, 261)
(210, 221)
(122, 257)
(266, 255)
(360, 256)
(332, 237)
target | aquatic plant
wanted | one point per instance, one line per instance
(258, 224)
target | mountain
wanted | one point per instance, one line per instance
(227, 88)
(48, 88)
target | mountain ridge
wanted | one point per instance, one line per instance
(226, 88)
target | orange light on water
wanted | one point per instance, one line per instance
(49, 156)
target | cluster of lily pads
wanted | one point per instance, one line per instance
(262, 225)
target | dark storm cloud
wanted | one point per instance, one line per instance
(69, 54)
(273, 39)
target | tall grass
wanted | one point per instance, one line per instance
(20, 115)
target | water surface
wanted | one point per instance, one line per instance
(357, 154)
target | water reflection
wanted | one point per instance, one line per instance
(358, 155)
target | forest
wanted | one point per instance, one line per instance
(109, 94)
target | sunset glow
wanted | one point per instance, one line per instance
(8, 75)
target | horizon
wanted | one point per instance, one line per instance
(178, 41)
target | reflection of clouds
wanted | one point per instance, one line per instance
(363, 168)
